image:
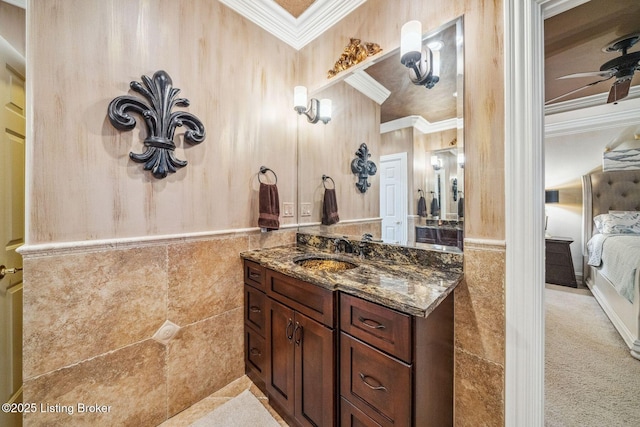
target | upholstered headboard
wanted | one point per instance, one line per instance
(608, 191)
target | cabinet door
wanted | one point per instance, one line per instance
(315, 399)
(279, 370)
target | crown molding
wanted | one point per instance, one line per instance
(594, 118)
(420, 123)
(587, 101)
(297, 33)
(369, 86)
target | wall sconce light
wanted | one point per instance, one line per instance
(436, 163)
(423, 62)
(461, 160)
(315, 110)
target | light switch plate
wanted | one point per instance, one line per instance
(305, 209)
(287, 208)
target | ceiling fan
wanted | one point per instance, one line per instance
(622, 68)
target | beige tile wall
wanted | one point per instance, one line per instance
(90, 318)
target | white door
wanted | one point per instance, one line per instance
(12, 151)
(393, 198)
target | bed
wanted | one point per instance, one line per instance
(613, 199)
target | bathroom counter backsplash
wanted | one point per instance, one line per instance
(410, 280)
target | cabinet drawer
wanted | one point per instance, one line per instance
(254, 308)
(377, 384)
(426, 235)
(254, 274)
(382, 327)
(310, 300)
(254, 356)
(350, 416)
(558, 259)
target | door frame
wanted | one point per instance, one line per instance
(402, 209)
(524, 206)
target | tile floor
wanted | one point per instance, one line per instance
(208, 404)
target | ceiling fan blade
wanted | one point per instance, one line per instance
(577, 90)
(619, 90)
(607, 73)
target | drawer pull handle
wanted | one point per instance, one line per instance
(255, 309)
(289, 328)
(364, 377)
(298, 333)
(370, 323)
(255, 352)
(254, 276)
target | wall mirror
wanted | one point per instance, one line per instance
(406, 127)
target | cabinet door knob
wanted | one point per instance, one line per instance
(364, 377)
(370, 323)
(255, 352)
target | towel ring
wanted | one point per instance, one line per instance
(324, 181)
(263, 170)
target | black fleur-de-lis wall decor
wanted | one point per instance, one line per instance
(363, 167)
(160, 95)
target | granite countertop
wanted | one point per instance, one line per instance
(408, 287)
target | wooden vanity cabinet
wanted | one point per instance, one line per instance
(395, 369)
(254, 323)
(301, 347)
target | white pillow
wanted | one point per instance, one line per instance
(624, 222)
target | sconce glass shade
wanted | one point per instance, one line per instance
(300, 98)
(325, 110)
(436, 163)
(411, 41)
(435, 50)
(551, 196)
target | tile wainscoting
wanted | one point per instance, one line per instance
(479, 338)
(90, 313)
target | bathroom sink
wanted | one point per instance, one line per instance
(330, 265)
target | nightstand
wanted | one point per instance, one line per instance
(558, 262)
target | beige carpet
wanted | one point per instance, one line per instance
(243, 410)
(590, 377)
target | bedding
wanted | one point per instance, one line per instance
(618, 223)
(617, 257)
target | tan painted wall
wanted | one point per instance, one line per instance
(238, 78)
(12, 27)
(329, 150)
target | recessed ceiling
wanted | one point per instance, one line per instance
(296, 22)
(574, 41)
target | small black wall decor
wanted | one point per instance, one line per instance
(363, 167)
(160, 95)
